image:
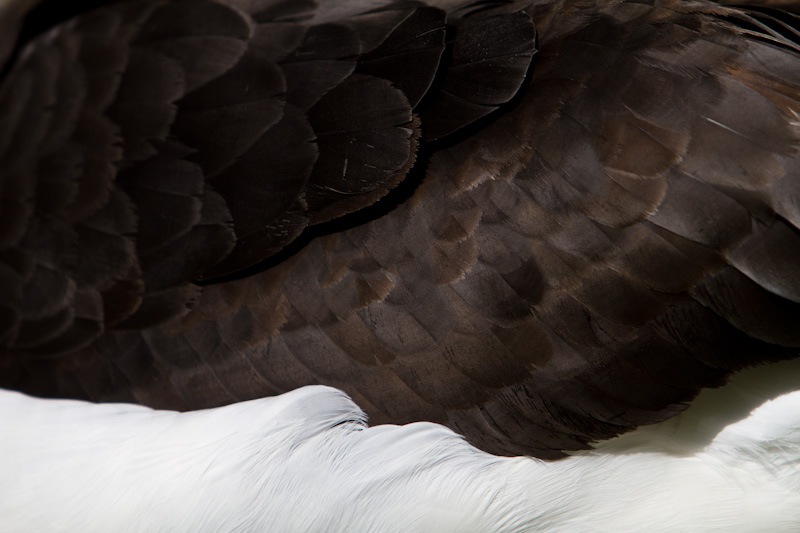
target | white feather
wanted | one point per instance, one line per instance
(306, 461)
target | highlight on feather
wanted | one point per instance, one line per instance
(777, 26)
(307, 461)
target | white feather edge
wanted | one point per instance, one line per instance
(306, 461)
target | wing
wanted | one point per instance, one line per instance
(626, 235)
(149, 145)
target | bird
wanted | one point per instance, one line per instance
(539, 223)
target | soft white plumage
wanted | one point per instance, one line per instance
(306, 461)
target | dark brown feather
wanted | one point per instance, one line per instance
(621, 235)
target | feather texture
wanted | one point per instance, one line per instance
(307, 461)
(620, 233)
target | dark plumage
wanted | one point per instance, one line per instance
(209, 201)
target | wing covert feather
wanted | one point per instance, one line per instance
(625, 234)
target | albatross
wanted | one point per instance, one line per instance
(540, 224)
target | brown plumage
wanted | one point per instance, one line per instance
(569, 249)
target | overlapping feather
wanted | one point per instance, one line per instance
(623, 234)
